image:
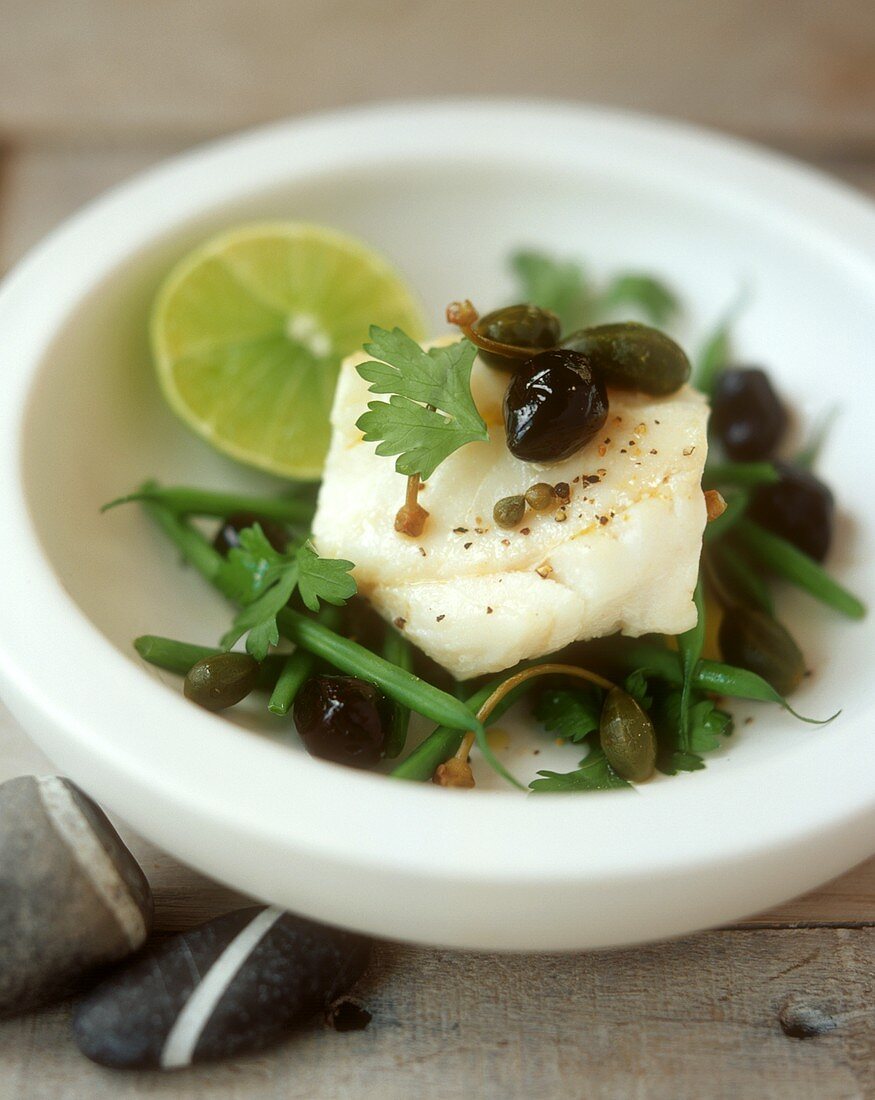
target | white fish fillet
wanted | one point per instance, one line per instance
(477, 598)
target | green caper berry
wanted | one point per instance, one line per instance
(509, 511)
(222, 680)
(522, 326)
(631, 356)
(540, 497)
(751, 639)
(627, 737)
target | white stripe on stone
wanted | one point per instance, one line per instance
(74, 829)
(182, 1039)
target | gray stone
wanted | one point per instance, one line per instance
(72, 897)
(233, 985)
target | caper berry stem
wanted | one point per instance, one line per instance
(421, 764)
(464, 316)
(505, 689)
(411, 516)
(183, 500)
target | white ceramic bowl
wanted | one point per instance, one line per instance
(446, 190)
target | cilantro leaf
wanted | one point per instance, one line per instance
(562, 286)
(593, 774)
(572, 715)
(637, 686)
(263, 580)
(325, 579)
(430, 412)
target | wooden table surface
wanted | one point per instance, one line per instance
(91, 91)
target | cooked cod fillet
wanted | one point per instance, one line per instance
(622, 555)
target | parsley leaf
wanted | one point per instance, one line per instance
(572, 715)
(708, 725)
(325, 579)
(651, 296)
(430, 412)
(562, 286)
(557, 285)
(593, 774)
(263, 580)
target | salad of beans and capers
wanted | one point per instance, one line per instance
(640, 705)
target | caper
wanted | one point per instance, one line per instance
(627, 737)
(541, 496)
(222, 680)
(509, 511)
(631, 356)
(522, 326)
(754, 640)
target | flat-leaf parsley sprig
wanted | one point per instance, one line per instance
(263, 580)
(430, 412)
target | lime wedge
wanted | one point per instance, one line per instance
(248, 332)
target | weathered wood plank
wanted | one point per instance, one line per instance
(700, 1017)
(800, 70)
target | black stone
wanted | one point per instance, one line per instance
(72, 897)
(292, 971)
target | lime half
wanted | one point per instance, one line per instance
(248, 332)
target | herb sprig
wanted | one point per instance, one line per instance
(430, 412)
(563, 287)
(263, 580)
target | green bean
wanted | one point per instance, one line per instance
(297, 668)
(745, 474)
(316, 638)
(398, 651)
(178, 657)
(798, 568)
(192, 545)
(690, 650)
(354, 659)
(736, 505)
(711, 676)
(183, 500)
(443, 742)
(740, 578)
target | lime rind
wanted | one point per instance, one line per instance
(248, 332)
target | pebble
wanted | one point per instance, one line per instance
(235, 984)
(72, 897)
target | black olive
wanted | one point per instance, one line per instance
(799, 508)
(521, 326)
(228, 535)
(746, 414)
(631, 356)
(222, 680)
(553, 407)
(754, 640)
(342, 718)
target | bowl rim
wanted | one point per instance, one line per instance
(514, 835)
